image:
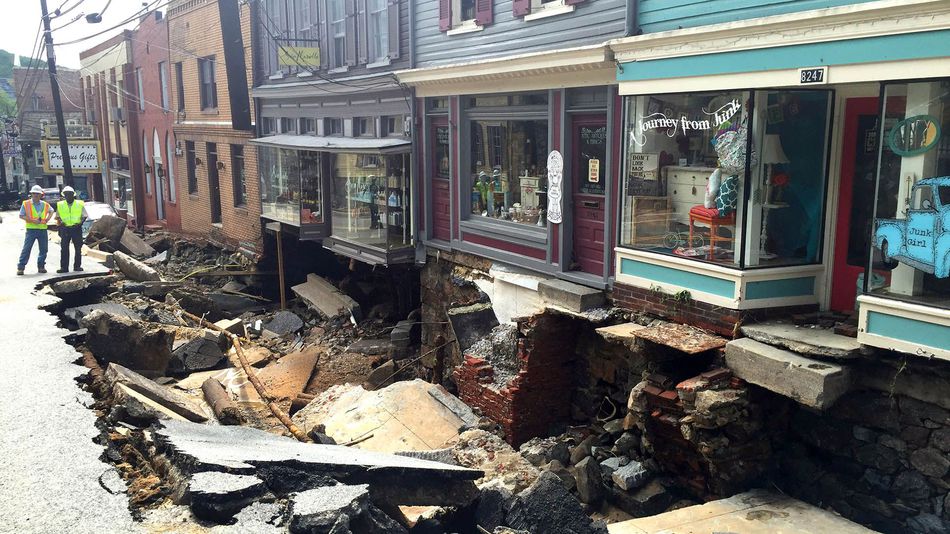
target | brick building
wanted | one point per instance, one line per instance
(109, 91)
(156, 158)
(210, 62)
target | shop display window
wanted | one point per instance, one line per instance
(370, 199)
(508, 170)
(291, 185)
(910, 257)
(735, 178)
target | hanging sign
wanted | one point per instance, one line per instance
(593, 171)
(83, 157)
(298, 56)
(555, 179)
(914, 135)
(920, 239)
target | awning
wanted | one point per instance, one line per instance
(335, 144)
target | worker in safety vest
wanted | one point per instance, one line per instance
(36, 212)
(70, 214)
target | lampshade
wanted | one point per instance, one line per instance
(772, 152)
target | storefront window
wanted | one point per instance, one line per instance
(508, 169)
(732, 178)
(281, 198)
(910, 258)
(370, 199)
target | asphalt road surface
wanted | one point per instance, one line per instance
(50, 469)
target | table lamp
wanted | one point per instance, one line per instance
(772, 154)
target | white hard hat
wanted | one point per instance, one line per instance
(68, 189)
(36, 189)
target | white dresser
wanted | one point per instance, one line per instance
(686, 187)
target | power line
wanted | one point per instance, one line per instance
(145, 9)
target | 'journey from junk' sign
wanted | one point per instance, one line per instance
(656, 121)
(84, 157)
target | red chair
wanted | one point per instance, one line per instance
(704, 216)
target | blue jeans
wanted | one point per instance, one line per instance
(32, 234)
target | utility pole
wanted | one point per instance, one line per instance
(57, 104)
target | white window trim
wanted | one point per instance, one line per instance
(384, 62)
(338, 70)
(276, 76)
(466, 26)
(550, 9)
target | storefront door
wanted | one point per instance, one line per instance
(440, 178)
(214, 183)
(855, 199)
(590, 159)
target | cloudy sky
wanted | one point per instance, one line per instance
(20, 25)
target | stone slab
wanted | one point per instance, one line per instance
(324, 297)
(133, 245)
(287, 377)
(752, 512)
(233, 326)
(175, 401)
(133, 269)
(805, 340)
(620, 333)
(574, 297)
(471, 323)
(681, 337)
(814, 383)
(76, 314)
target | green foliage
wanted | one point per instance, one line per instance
(7, 105)
(6, 64)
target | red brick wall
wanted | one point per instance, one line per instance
(718, 319)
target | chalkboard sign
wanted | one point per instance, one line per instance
(643, 169)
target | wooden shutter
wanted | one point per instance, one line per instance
(483, 12)
(363, 27)
(572, 2)
(394, 25)
(521, 7)
(445, 15)
(352, 35)
(323, 28)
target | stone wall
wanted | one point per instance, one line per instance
(877, 459)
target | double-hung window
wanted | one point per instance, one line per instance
(208, 87)
(163, 83)
(337, 19)
(180, 86)
(378, 30)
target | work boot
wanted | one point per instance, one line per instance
(77, 268)
(19, 272)
(61, 271)
(41, 270)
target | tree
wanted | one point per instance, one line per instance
(7, 105)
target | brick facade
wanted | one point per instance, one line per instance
(198, 27)
(718, 319)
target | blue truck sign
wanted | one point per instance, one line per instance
(922, 240)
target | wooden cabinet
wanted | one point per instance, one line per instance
(686, 187)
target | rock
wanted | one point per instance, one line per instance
(818, 342)
(878, 457)
(339, 510)
(172, 400)
(157, 259)
(75, 315)
(133, 269)
(558, 469)
(582, 450)
(630, 476)
(608, 466)
(233, 326)
(233, 285)
(284, 323)
(133, 344)
(878, 481)
(370, 347)
(109, 229)
(864, 434)
(86, 286)
(405, 334)
(573, 297)
(235, 304)
(940, 439)
(627, 442)
(325, 298)
(501, 464)
(540, 451)
(218, 496)
(133, 245)
(892, 442)
(614, 427)
(287, 377)
(915, 412)
(381, 376)
(546, 506)
(928, 524)
(649, 500)
(508, 530)
(911, 486)
(195, 302)
(198, 354)
(930, 462)
(809, 382)
(156, 290)
(493, 506)
(471, 323)
(590, 482)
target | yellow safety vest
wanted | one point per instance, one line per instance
(28, 205)
(72, 214)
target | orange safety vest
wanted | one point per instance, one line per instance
(28, 205)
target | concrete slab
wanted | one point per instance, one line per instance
(133, 245)
(752, 512)
(814, 383)
(471, 323)
(287, 377)
(685, 338)
(574, 297)
(240, 450)
(173, 400)
(806, 340)
(133, 269)
(406, 416)
(620, 333)
(326, 298)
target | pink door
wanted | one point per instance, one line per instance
(440, 179)
(589, 161)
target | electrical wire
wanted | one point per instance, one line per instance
(145, 9)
